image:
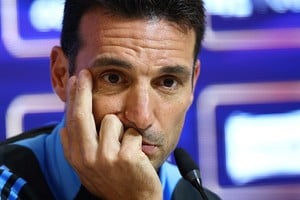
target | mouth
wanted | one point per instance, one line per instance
(149, 149)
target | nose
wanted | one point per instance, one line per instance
(138, 109)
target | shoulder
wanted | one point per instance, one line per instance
(20, 169)
(29, 134)
(22, 152)
(20, 173)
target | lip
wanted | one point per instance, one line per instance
(148, 148)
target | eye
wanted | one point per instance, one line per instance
(111, 82)
(112, 78)
(169, 82)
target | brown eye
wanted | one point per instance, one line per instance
(112, 78)
(169, 83)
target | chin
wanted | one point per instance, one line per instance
(156, 163)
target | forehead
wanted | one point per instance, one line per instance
(107, 17)
(100, 30)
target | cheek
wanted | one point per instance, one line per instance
(174, 112)
(174, 121)
(103, 106)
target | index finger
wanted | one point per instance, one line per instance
(80, 120)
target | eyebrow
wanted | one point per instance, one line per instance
(177, 69)
(107, 61)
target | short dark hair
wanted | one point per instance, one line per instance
(186, 13)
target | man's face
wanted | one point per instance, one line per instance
(142, 72)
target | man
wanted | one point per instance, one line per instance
(126, 71)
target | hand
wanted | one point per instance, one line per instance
(111, 164)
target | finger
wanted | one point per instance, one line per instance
(111, 131)
(131, 143)
(84, 129)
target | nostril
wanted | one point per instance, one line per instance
(138, 121)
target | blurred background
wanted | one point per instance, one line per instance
(244, 126)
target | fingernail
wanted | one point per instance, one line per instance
(82, 73)
(72, 80)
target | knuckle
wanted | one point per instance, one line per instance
(108, 160)
(111, 119)
(77, 116)
(88, 160)
(126, 156)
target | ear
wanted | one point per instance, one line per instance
(196, 73)
(59, 65)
